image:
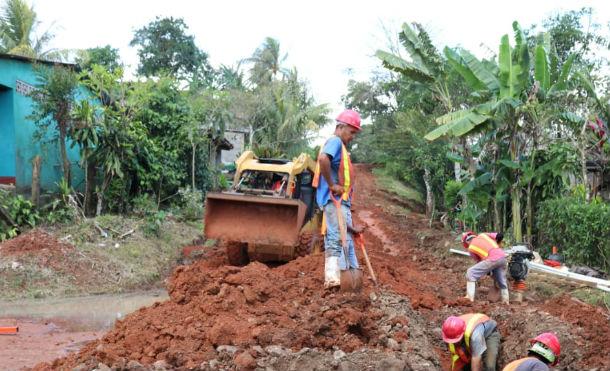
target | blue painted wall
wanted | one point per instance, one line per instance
(25, 146)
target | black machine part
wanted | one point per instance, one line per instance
(517, 267)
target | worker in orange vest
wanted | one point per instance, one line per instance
(485, 249)
(544, 351)
(334, 177)
(473, 341)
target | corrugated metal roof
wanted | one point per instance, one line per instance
(34, 60)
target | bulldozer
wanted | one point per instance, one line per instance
(269, 213)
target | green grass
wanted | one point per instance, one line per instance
(104, 265)
(593, 297)
(395, 186)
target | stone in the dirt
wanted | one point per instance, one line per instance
(245, 361)
(391, 364)
(372, 296)
(346, 366)
(338, 354)
(81, 367)
(160, 365)
(259, 350)
(102, 367)
(135, 366)
(276, 350)
(213, 363)
(393, 344)
(226, 348)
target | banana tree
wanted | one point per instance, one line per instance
(426, 68)
(505, 87)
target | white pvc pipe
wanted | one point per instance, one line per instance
(599, 283)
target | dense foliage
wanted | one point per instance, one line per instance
(496, 137)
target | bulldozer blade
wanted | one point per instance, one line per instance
(253, 219)
(351, 279)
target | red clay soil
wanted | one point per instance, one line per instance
(34, 241)
(215, 304)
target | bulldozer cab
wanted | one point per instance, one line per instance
(267, 207)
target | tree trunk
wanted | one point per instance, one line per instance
(36, 181)
(100, 194)
(497, 216)
(583, 159)
(194, 147)
(530, 213)
(64, 156)
(90, 173)
(429, 194)
(516, 193)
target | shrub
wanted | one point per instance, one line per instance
(191, 207)
(20, 210)
(579, 229)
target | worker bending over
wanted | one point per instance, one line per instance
(485, 250)
(473, 341)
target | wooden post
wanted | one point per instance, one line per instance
(36, 180)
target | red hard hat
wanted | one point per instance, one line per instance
(453, 329)
(551, 342)
(466, 236)
(349, 117)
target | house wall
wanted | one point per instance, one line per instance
(20, 76)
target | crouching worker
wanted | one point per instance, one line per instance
(485, 250)
(473, 340)
(544, 351)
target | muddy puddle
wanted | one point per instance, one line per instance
(371, 222)
(86, 313)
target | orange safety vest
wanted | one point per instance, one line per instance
(514, 364)
(346, 172)
(481, 245)
(461, 357)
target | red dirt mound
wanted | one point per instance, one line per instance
(253, 305)
(35, 240)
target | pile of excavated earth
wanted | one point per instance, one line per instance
(280, 318)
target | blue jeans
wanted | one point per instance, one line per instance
(332, 240)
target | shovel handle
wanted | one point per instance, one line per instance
(360, 240)
(342, 228)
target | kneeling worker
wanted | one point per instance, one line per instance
(544, 351)
(473, 340)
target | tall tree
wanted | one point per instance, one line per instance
(18, 23)
(267, 62)
(53, 98)
(105, 56)
(165, 48)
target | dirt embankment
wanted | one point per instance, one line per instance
(256, 317)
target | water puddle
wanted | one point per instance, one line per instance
(86, 313)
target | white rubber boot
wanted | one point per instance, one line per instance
(471, 288)
(332, 274)
(504, 295)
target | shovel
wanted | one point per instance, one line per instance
(360, 241)
(350, 278)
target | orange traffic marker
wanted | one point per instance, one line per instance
(11, 330)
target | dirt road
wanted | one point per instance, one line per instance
(224, 317)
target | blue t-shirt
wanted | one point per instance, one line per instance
(332, 148)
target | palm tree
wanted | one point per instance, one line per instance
(267, 62)
(18, 23)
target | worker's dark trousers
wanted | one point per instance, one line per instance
(490, 356)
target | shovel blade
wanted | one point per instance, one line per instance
(351, 280)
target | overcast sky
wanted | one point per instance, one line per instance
(328, 41)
